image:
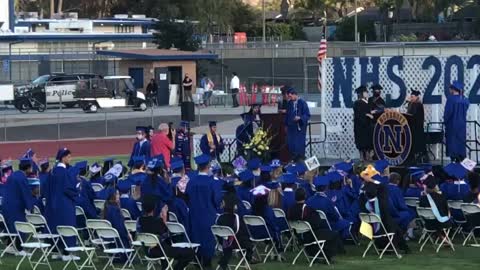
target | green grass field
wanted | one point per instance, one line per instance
(462, 258)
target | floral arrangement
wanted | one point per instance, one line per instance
(259, 144)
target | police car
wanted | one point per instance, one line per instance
(56, 88)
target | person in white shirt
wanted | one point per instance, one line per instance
(235, 86)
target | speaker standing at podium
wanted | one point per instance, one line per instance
(415, 109)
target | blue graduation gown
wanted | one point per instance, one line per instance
(162, 191)
(288, 199)
(243, 134)
(272, 226)
(98, 179)
(219, 146)
(320, 201)
(297, 130)
(131, 205)
(202, 205)
(405, 215)
(342, 203)
(244, 194)
(413, 192)
(455, 191)
(140, 149)
(455, 119)
(306, 186)
(86, 198)
(137, 178)
(43, 177)
(114, 215)
(180, 209)
(16, 199)
(182, 148)
(60, 195)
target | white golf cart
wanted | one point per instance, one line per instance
(116, 92)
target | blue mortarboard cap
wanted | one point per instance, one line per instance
(25, 161)
(110, 178)
(141, 128)
(124, 186)
(109, 192)
(292, 90)
(292, 168)
(455, 170)
(272, 185)
(81, 164)
(216, 167)
(203, 159)
(246, 175)
(381, 165)
(29, 153)
(95, 168)
(43, 162)
(155, 163)
(427, 167)
(63, 152)
(109, 159)
(334, 177)
(380, 179)
(289, 178)
(344, 166)
(212, 123)
(184, 124)
(321, 181)
(414, 169)
(417, 175)
(266, 168)
(176, 159)
(254, 164)
(275, 163)
(301, 168)
(138, 160)
(457, 85)
(176, 165)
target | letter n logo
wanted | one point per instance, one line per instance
(392, 139)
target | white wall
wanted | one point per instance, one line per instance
(4, 4)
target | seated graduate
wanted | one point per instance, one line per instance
(96, 174)
(34, 185)
(243, 190)
(300, 211)
(231, 219)
(415, 187)
(43, 174)
(126, 201)
(86, 194)
(288, 184)
(110, 181)
(149, 223)
(403, 214)
(113, 214)
(455, 188)
(254, 165)
(374, 199)
(275, 195)
(299, 170)
(473, 182)
(277, 170)
(156, 183)
(138, 175)
(338, 197)
(179, 178)
(261, 208)
(434, 199)
(320, 201)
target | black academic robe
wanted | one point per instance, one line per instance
(418, 116)
(376, 103)
(362, 126)
(442, 206)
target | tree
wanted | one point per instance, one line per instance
(171, 34)
(317, 7)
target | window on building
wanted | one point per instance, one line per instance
(124, 28)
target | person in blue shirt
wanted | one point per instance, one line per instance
(203, 208)
(296, 121)
(182, 144)
(288, 184)
(124, 188)
(405, 215)
(86, 194)
(455, 119)
(320, 201)
(212, 143)
(156, 184)
(113, 214)
(60, 195)
(243, 190)
(18, 197)
(141, 147)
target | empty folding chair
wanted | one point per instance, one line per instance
(471, 210)
(97, 187)
(247, 205)
(36, 210)
(79, 248)
(32, 244)
(5, 234)
(99, 204)
(374, 221)
(288, 233)
(172, 217)
(426, 214)
(149, 240)
(256, 221)
(177, 229)
(226, 233)
(301, 227)
(38, 221)
(458, 218)
(126, 214)
(411, 202)
(92, 226)
(81, 214)
(117, 249)
(323, 217)
(131, 226)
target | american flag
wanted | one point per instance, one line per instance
(322, 54)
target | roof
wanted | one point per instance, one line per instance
(46, 36)
(159, 54)
(127, 21)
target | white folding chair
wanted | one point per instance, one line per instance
(139, 206)
(373, 220)
(97, 187)
(92, 226)
(224, 233)
(459, 223)
(131, 226)
(99, 204)
(118, 249)
(247, 205)
(80, 213)
(323, 217)
(32, 243)
(256, 221)
(36, 210)
(79, 248)
(175, 228)
(149, 240)
(126, 214)
(38, 221)
(288, 233)
(172, 217)
(302, 227)
(6, 234)
(468, 210)
(411, 201)
(426, 214)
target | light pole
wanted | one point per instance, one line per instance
(356, 22)
(263, 22)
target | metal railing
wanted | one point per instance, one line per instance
(311, 142)
(475, 141)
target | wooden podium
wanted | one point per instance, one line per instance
(278, 147)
